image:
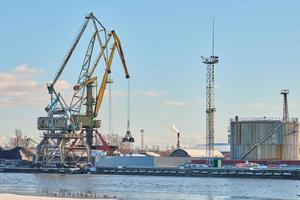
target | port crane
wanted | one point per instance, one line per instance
(69, 129)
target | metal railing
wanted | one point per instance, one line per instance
(252, 119)
(256, 119)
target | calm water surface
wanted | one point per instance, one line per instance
(147, 187)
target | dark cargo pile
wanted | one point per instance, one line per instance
(12, 154)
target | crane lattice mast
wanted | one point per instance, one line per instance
(285, 93)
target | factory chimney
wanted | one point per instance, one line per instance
(178, 140)
(142, 139)
(178, 135)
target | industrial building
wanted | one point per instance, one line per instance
(264, 139)
(141, 161)
(196, 153)
(176, 158)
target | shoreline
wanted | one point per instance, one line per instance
(26, 197)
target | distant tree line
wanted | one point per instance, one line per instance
(17, 140)
(20, 140)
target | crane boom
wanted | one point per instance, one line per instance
(121, 54)
(104, 81)
(117, 44)
(70, 52)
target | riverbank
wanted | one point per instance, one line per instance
(24, 197)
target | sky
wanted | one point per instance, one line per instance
(257, 42)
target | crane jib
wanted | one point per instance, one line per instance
(71, 50)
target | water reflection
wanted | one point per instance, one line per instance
(147, 187)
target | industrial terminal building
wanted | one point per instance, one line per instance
(264, 139)
(176, 158)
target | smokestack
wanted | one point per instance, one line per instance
(178, 140)
(142, 139)
(178, 135)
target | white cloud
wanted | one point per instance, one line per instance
(261, 105)
(175, 103)
(118, 93)
(6, 103)
(135, 93)
(192, 140)
(24, 70)
(149, 93)
(201, 101)
(163, 114)
(20, 87)
(62, 85)
(152, 93)
(218, 87)
(258, 105)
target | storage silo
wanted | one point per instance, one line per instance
(264, 139)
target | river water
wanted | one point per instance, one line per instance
(151, 187)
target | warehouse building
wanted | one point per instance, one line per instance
(140, 161)
(264, 139)
(177, 157)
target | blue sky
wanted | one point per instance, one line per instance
(257, 41)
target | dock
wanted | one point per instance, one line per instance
(292, 174)
(204, 172)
